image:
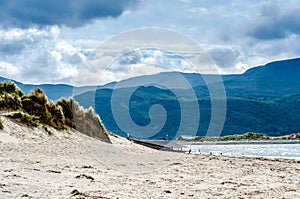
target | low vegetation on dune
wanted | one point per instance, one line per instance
(35, 108)
(29, 120)
(250, 136)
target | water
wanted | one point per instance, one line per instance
(257, 150)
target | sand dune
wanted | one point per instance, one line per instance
(67, 164)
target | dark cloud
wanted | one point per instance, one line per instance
(265, 29)
(290, 20)
(11, 48)
(224, 57)
(71, 13)
(274, 21)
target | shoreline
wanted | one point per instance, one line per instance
(232, 149)
(245, 142)
(184, 142)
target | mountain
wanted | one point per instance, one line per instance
(276, 79)
(273, 79)
(265, 99)
(53, 91)
(269, 115)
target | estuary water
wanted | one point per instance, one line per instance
(278, 150)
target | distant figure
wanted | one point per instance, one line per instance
(165, 137)
(199, 151)
(210, 153)
(128, 136)
(190, 150)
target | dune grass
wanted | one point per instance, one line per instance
(10, 96)
(85, 121)
(35, 108)
(25, 118)
(10, 87)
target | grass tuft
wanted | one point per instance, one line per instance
(1, 124)
(25, 118)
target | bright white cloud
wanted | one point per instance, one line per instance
(38, 56)
(8, 69)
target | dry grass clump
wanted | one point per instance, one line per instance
(37, 104)
(67, 110)
(10, 87)
(85, 121)
(10, 97)
(35, 108)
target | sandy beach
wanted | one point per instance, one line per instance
(67, 164)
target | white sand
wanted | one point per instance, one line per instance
(36, 165)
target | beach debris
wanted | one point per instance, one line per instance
(53, 171)
(167, 191)
(8, 170)
(85, 176)
(87, 167)
(75, 192)
(175, 163)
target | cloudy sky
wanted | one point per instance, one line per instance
(48, 41)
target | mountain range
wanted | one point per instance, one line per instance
(273, 79)
(264, 99)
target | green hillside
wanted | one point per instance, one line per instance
(273, 116)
